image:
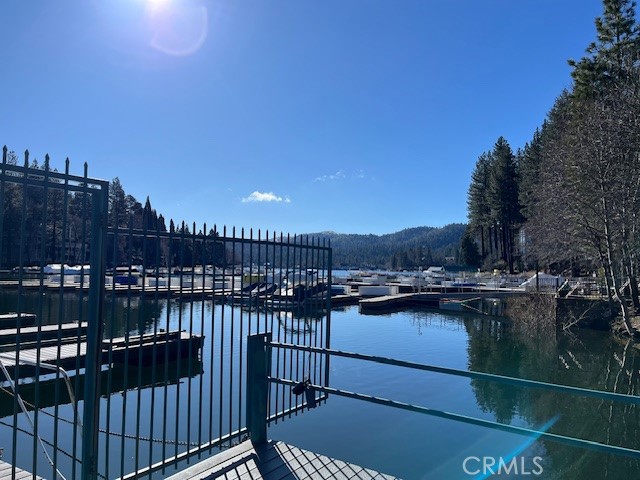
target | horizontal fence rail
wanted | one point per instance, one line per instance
(531, 433)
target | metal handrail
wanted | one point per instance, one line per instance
(571, 441)
(536, 434)
(521, 382)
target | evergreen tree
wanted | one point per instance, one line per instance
(615, 54)
(528, 163)
(478, 200)
(117, 204)
(161, 223)
(469, 254)
(503, 199)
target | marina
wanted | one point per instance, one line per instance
(177, 345)
(276, 290)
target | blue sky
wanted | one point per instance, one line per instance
(357, 116)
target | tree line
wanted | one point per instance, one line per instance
(48, 224)
(569, 200)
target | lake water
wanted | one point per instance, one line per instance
(411, 445)
(400, 443)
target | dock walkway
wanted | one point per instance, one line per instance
(274, 461)
(6, 470)
(144, 350)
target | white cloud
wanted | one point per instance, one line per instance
(265, 197)
(326, 178)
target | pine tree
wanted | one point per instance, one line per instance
(503, 199)
(478, 201)
(528, 163)
(117, 204)
(469, 254)
(614, 56)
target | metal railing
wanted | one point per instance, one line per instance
(260, 364)
(150, 322)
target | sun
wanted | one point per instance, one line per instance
(157, 4)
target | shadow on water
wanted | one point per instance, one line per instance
(119, 379)
(122, 314)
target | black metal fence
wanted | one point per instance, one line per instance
(148, 324)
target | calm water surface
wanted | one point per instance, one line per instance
(411, 445)
(404, 444)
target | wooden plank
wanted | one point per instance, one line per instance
(10, 320)
(27, 334)
(67, 355)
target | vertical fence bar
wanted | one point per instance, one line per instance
(222, 320)
(83, 281)
(213, 324)
(61, 305)
(43, 231)
(240, 352)
(94, 335)
(328, 328)
(296, 262)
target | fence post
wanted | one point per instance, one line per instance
(258, 369)
(95, 329)
(328, 330)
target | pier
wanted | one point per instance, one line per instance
(10, 320)
(428, 299)
(135, 350)
(39, 336)
(275, 460)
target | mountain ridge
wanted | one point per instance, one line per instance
(408, 248)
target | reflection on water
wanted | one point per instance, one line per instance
(590, 360)
(157, 411)
(122, 314)
(417, 446)
(405, 444)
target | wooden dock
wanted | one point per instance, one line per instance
(400, 301)
(274, 461)
(6, 473)
(10, 320)
(29, 335)
(386, 302)
(144, 350)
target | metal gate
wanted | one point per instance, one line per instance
(123, 340)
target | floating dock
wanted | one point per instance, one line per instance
(427, 299)
(10, 320)
(275, 460)
(136, 350)
(29, 336)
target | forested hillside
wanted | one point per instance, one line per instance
(407, 249)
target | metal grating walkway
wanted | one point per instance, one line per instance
(274, 461)
(6, 469)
